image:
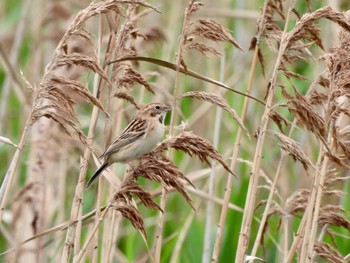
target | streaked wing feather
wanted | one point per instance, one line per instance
(136, 129)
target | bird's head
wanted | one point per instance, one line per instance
(155, 110)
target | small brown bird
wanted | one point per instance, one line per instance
(141, 136)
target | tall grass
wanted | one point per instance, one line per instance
(255, 163)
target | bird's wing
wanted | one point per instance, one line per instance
(135, 130)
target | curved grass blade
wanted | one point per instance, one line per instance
(186, 71)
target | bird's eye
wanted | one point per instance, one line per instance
(157, 107)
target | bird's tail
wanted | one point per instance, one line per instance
(97, 173)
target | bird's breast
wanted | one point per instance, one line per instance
(154, 135)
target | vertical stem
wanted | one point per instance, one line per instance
(267, 207)
(210, 204)
(317, 206)
(270, 197)
(111, 237)
(244, 235)
(161, 218)
(312, 216)
(237, 146)
(77, 201)
(100, 185)
(79, 191)
(298, 237)
(269, 202)
(223, 215)
(10, 174)
(92, 234)
(160, 225)
(285, 225)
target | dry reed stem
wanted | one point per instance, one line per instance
(79, 190)
(244, 235)
(223, 214)
(308, 219)
(272, 190)
(270, 198)
(210, 205)
(298, 237)
(212, 198)
(92, 10)
(10, 174)
(161, 218)
(78, 195)
(78, 257)
(315, 200)
(307, 249)
(46, 110)
(100, 185)
(111, 240)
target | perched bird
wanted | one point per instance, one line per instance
(141, 136)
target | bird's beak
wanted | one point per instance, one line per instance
(168, 108)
